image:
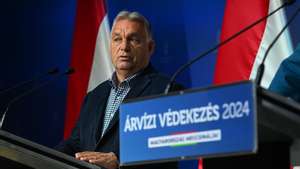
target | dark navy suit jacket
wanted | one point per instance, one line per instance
(287, 79)
(87, 132)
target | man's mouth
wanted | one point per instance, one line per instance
(124, 58)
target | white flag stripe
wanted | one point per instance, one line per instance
(281, 50)
(102, 67)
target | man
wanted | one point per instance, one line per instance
(287, 79)
(95, 138)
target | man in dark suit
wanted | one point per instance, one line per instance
(95, 138)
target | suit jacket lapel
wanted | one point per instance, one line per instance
(101, 102)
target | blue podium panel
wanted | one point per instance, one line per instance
(218, 121)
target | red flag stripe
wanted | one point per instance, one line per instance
(235, 60)
(89, 15)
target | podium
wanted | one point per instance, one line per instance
(278, 115)
(278, 128)
(278, 125)
(259, 133)
(19, 153)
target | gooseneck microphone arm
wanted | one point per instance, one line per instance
(186, 65)
(50, 72)
(261, 67)
(15, 99)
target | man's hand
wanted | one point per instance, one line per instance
(107, 160)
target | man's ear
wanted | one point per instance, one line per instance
(151, 47)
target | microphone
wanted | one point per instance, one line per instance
(261, 67)
(52, 71)
(69, 71)
(193, 60)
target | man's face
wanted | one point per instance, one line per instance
(130, 46)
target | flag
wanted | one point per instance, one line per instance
(90, 56)
(240, 58)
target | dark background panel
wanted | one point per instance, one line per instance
(35, 37)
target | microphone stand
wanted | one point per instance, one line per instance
(68, 72)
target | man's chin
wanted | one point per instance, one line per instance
(125, 66)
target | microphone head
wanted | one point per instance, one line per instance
(69, 71)
(53, 71)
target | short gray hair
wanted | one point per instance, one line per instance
(134, 16)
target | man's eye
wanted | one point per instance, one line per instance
(135, 40)
(117, 39)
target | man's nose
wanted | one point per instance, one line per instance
(125, 45)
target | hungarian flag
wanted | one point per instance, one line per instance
(90, 56)
(239, 59)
